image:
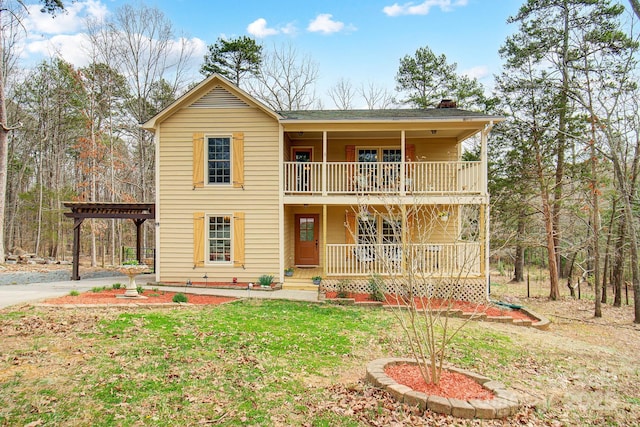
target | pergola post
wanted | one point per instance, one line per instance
(139, 254)
(77, 224)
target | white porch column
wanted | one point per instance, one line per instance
(323, 264)
(403, 165)
(324, 163)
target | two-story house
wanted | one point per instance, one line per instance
(242, 191)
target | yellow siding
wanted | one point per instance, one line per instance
(178, 199)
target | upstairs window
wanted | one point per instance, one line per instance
(219, 160)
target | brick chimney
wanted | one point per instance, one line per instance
(447, 103)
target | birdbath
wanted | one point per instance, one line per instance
(131, 271)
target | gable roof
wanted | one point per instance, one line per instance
(429, 114)
(217, 92)
(212, 92)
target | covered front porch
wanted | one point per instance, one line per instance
(352, 241)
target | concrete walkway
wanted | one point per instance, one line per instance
(35, 292)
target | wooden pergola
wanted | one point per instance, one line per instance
(137, 212)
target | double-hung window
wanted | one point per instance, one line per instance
(219, 236)
(219, 160)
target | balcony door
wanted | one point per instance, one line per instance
(302, 157)
(379, 169)
(307, 249)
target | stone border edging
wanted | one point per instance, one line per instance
(503, 405)
(542, 322)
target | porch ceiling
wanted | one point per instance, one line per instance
(440, 133)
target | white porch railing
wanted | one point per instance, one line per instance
(422, 260)
(383, 178)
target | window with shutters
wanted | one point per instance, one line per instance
(219, 237)
(218, 160)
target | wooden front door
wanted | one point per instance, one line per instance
(307, 244)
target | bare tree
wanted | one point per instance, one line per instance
(342, 94)
(419, 265)
(286, 80)
(376, 97)
(8, 14)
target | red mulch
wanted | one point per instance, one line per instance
(452, 384)
(465, 306)
(108, 296)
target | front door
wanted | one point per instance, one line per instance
(307, 245)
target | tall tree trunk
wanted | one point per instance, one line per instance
(4, 146)
(607, 255)
(518, 265)
(561, 140)
(618, 263)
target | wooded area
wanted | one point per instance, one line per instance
(563, 166)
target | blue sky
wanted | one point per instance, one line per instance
(362, 41)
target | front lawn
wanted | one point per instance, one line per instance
(265, 363)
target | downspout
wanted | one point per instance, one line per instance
(281, 202)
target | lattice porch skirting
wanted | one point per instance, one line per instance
(467, 289)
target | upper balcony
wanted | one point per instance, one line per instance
(447, 178)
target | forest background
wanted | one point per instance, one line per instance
(563, 166)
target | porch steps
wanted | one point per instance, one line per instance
(294, 284)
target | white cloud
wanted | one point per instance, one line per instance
(478, 72)
(69, 21)
(72, 48)
(422, 8)
(258, 28)
(325, 24)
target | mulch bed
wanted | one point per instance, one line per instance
(108, 296)
(434, 304)
(451, 384)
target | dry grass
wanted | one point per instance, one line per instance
(284, 363)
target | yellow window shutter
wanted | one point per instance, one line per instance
(198, 239)
(198, 160)
(238, 239)
(238, 159)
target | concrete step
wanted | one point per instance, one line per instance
(299, 285)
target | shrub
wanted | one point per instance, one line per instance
(140, 289)
(116, 286)
(265, 280)
(376, 288)
(179, 297)
(74, 293)
(97, 289)
(342, 288)
(131, 262)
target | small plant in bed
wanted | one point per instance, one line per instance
(376, 288)
(98, 289)
(342, 287)
(116, 286)
(265, 280)
(74, 293)
(180, 297)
